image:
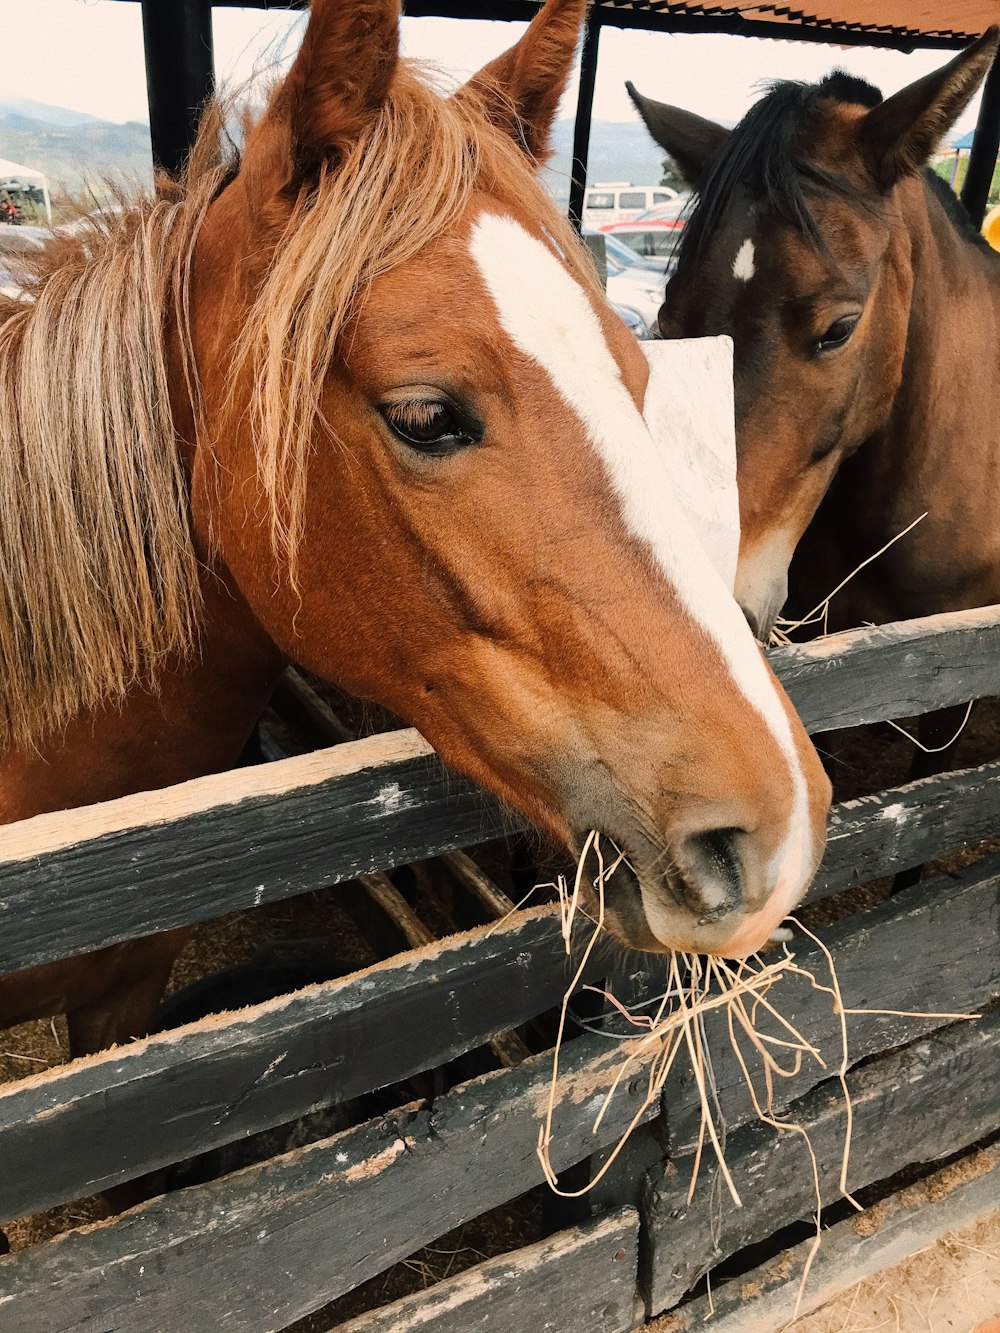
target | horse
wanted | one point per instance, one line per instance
(865, 313)
(354, 399)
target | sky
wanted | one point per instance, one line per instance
(716, 76)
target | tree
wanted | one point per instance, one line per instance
(670, 175)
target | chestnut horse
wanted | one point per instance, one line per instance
(356, 401)
(865, 313)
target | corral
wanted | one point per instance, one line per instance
(416, 1085)
(265, 1246)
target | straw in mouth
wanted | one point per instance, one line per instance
(659, 1030)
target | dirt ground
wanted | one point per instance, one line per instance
(952, 1286)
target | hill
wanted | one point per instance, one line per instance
(618, 152)
(76, 151)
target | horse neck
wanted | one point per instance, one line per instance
(939, 449)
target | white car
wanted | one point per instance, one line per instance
(636, 288)
(617, 201)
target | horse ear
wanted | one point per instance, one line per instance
(520, 90)
(340, 76)
(690, 140)
(900, 134)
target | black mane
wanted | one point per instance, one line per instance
(761, 158)
(956, 210)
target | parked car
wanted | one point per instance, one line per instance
(617, 201)
(624, 254)
(22, 239)
(636, 288)
(632, 320)
(655, 235)
(632, 285)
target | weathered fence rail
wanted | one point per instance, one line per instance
(217, 844)
(256, 1250)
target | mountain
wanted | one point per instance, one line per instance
(76, 151)
(619, 151)
(59, 116)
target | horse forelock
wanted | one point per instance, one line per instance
(763, 162)
(98, 574)
(405, 180)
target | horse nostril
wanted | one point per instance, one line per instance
(713, 873)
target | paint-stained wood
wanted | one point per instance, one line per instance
(906, 826)
(256, 1250)
(931, 950)
(939, 1094)
(764, 1299)
(898, 670)
(579, 1281)
(130, 1110)
(74, 881)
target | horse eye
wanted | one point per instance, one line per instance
(429, 425)
(837, 334)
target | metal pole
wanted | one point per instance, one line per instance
(584, 112)
(983, 158)
(180, 75)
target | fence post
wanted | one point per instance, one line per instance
(584, 113)
(180, 75)
(983, 158)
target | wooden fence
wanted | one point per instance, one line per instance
(264, 1246)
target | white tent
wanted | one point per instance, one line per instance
(13, 174)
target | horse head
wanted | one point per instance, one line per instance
(809, 220)
(422, 459)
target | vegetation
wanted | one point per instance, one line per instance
(945, 165)
(670, 175)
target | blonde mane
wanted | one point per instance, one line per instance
(98, 574)
(99, 581)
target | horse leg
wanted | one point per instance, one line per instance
(196, 724)
(108, 996)
(128, 1004)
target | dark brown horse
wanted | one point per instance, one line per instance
(357, 401)
(865, 313)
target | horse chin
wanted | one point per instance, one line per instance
(760, 591)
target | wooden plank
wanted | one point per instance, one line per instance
(899, 670)
(72, 882)
(900, 955)
(157, 1101)
(75, 881)
(939, 1094)
(267, 1245)
(906, 826)
(478, 883)
(579, 1280)
(135, 1108)
(764, 1299)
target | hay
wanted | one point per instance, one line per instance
(820, 614)
(698, 985)
(948, 1286)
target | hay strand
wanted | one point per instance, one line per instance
(695, 987)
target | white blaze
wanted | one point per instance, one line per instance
(548, 316)
(743, 266)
